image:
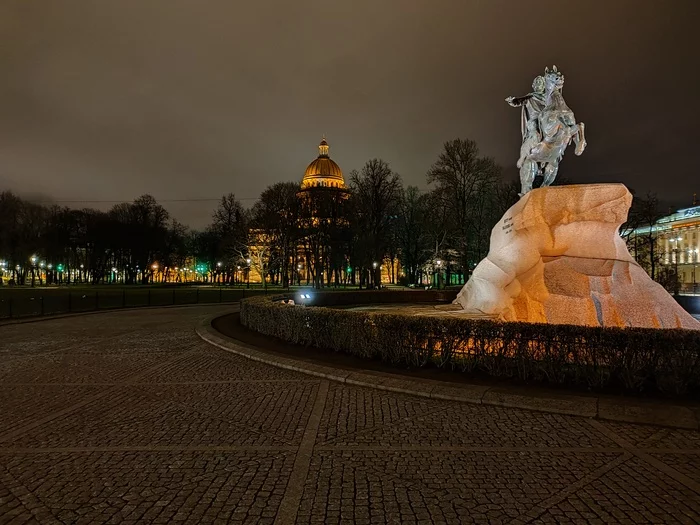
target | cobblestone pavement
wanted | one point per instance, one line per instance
(128, 417)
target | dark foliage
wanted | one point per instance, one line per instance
(634, 359)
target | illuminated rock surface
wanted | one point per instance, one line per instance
(556, 257)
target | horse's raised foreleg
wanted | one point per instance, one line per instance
(550, 173)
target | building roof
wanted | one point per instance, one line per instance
(323, 172)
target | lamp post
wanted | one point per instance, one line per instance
(675, 255)
(248, 274)
(33, 261)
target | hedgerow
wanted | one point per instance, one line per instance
(635, 359)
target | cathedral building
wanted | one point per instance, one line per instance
(323, 172)
(323, 248)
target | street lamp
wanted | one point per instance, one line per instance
(33, 258)
(676, 256)
(248, 279)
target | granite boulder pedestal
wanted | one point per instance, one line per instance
(557, 257)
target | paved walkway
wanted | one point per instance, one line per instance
(129, 417)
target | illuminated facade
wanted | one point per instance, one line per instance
(323, 172)
(678, 245)
(321, 256)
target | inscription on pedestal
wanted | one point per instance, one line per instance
(507, 226)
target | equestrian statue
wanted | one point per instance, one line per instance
(548, 126)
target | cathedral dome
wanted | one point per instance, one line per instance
(323, 172)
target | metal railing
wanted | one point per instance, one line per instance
(22, 303)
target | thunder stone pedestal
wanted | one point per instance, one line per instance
(556, 257)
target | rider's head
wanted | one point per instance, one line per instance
(538, 84)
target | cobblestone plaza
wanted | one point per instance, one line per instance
(129, 417)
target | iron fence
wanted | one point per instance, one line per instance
(22, 303)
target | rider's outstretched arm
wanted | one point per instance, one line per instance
(518, 101)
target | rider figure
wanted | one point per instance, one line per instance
(531, 104)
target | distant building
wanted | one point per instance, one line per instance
(678, 245)
(323, 172)
(322, 255)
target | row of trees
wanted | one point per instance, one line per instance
(322, 236)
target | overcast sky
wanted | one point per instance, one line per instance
(108, 100)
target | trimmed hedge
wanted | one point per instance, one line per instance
(636, 359)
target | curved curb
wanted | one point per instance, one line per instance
(599, 407)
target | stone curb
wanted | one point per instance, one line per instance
(599, 407)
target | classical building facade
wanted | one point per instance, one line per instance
(678, 245)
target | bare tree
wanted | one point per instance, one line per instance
(464, 183)
(640, 232)
(413, 231)
(276, 214)
(376, 193)
(230, 227)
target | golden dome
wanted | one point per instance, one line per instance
(323, 172)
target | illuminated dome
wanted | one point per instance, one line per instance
(323, 172)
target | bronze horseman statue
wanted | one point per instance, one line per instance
(548, 127)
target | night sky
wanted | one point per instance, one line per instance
(104, 101)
